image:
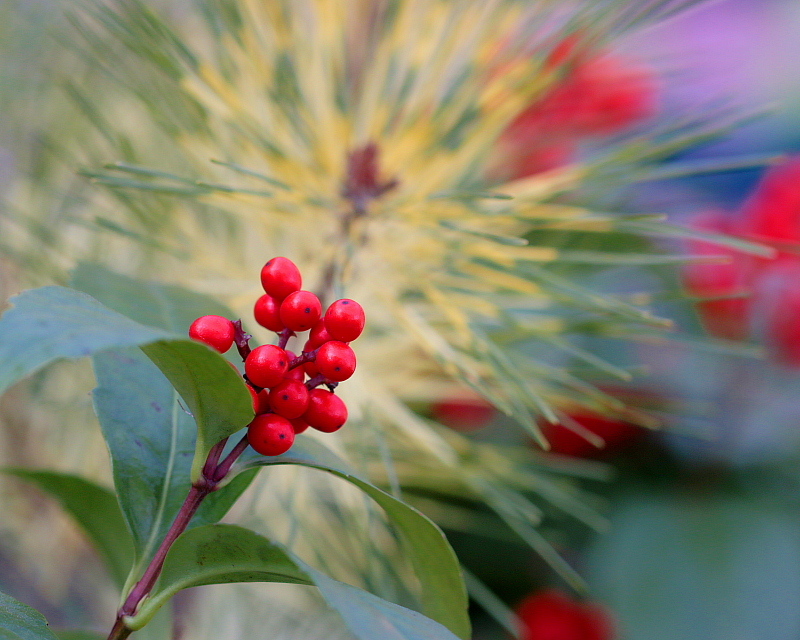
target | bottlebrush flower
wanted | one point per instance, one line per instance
(551, 615)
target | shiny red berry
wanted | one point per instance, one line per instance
(336, 361)
(266, 312)
(289, 399)
(319, 335)
(326, 412)
(254, 396)
(300, 311)
(298, 373)
(270, 435)
(215, 331)
(345, 320)
(299, 425)
(262, 405)
(266, 365)
(280, 277)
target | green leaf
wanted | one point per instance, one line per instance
(444, 597)
(73, 634)
(222, 553)
(52, 323)
(152, 469)
(157, 305)
(95, 509)
(151, 439)
(20, 622)
(701, 566)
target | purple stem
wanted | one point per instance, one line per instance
(213, 474)
(241, 339)
(283, 337)
(306, 356)
(225, 466)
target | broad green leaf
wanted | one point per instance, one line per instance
(95, 509)
(444, 597)
(151, 471)
(157, 305)
(20, 622)
(52, 323)
(699, 566)
(221, 553)
(151, 439)
(73, 634)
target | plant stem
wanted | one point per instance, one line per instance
(225, 466)
(213, 473)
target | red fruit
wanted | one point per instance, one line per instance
(345, 320)
(266, 365)
(299, 425)
(326, 412)
(772, 212)
(289, 399)
(551, 615)
(254, 396)
(298, 373)
(336, 361)
(280, 277)
(263, 402)
(727, 316)
(300, 310)
(266, 312)
(319, 335)
(215, 331)
(463, 414)
(566, 439)
(270, 435)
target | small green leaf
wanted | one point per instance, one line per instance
(20, 622)
(221, 553)
(95, 509)
(52, 323)
(444, 596)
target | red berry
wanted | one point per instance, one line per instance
(215, 331)
(300, 310)
(266, 312)
(336, 361)
(326, 412)
(299, 425)
(270, 435)
(263, 402)
(319, 335)
(345, 320)
(289, 399)
(266, 365)
(298, 373)
(254, 396)
(280, 277)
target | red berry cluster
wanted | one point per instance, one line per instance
(284, 401)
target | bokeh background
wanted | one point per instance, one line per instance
(701, 531)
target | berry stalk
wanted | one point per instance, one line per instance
(213, 474)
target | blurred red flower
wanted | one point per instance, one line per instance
(463, 413)
(565, 439)
(758, 295)
(552, 615)
(599, 94)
